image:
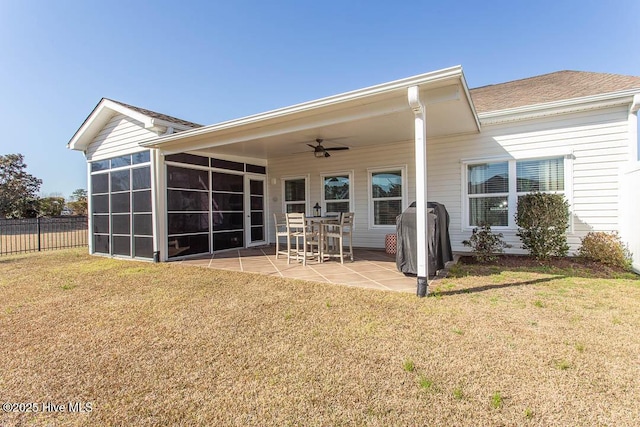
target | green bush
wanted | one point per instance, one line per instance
(485, 244)
(542, 220)
(606, 248)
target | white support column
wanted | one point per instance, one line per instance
(419, 112)
(89, 209)
(158, 195)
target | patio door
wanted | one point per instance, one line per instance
(255, 214)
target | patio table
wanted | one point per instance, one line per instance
(320, 221)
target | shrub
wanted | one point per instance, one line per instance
(485, 244)
(606, 248)
(542, 220)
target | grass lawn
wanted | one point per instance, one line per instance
(164, 344)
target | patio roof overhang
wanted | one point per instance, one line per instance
(374, 115)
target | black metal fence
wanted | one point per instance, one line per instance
(42, 234)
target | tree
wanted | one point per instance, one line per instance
(78, 203)
(18, 189)
(50, 206)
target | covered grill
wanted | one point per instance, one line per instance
(439, 244)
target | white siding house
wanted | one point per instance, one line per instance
(216, 187)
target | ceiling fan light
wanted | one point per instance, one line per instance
(318, 153)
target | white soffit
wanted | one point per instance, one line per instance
(374, 115)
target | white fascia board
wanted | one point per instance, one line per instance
(361, 95)
(103, 112)
(558, 107)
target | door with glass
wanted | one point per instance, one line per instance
(255, 215)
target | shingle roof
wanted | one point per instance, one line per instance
(156, 115)
(549, 87)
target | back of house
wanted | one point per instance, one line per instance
(165, 188)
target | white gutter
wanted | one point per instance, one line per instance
(356, 95)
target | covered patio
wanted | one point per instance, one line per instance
(380, 136)
(371, 268)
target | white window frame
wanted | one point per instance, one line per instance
(306, 193)
(512, 196)
(371, 201)
(323, 201)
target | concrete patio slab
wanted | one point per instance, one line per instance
(371, 268)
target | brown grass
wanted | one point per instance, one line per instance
(165, 344)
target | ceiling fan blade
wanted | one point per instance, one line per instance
(336, 148)
(327, 154)
(312, 146)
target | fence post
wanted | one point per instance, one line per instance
(38, 228)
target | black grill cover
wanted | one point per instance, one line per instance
(439, 244)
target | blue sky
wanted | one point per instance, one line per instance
(211, 61)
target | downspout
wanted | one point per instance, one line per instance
(420, 123)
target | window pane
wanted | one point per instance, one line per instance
(141, 178)
(101, 224)
(489, 178)
(338, 207)
(386, 184)
(257, 218)
(493, 211)
(256, 169)
(188, 245)
(142, 225)
(100, 183)
(226, 164)
(336, 187)
(386, 211)
(227, 182)
(256, 187)
(120, 202)
(187, 178)
(191, 159)
(182, 200)
(121, 161)
(234, 239)
(188, 223)
(228, 221)
(121, 224)
(101, 244)
(257, 234)
(143, 247)
(296, 208)
(294, 190)
(142, 157)
(227, 202)
(540, 175)
(122, 245)
(120, 180)
(100, 204)
(257, 203)
(142, 201)
(100, 166)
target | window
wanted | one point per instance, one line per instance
(295, 195)
(121, 206)
(387, 196)
(493, 188)
(488, 187)
(336, 192)
(188, 208)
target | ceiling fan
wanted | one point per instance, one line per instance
(320, 151)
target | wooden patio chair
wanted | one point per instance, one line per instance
(298, 228)
(280, 221)
(339, 232)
